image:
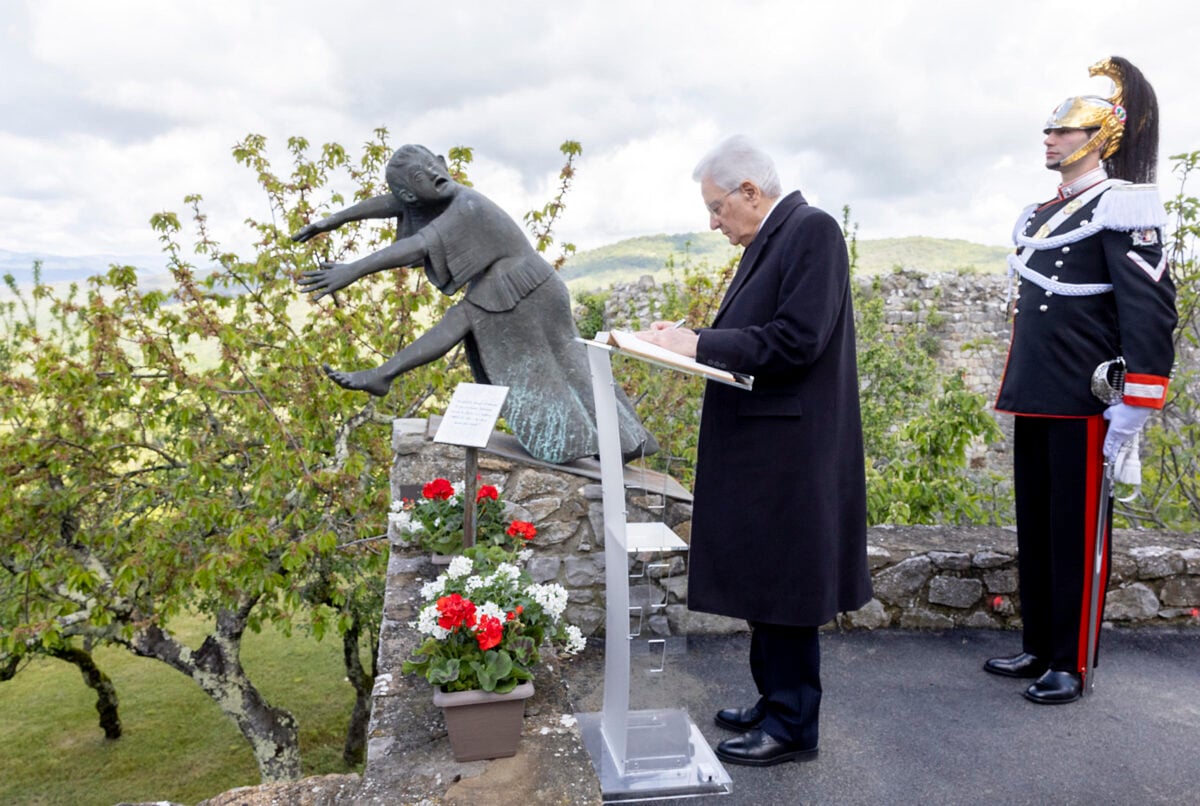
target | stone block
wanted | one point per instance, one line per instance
(583, 571)
(541, 508)
(1002, 581)
(991, 559)
(918, 618)
(979, 620)
(659, 566)
(877, 557)
(1131, 603)
(646, 595)
(955, 591)
(1181, 592)
(901, 582)
(581, 595)
(1124, 567)
(871, 616)
(1156, 562)
(951, 560)
(527, 483)
(543, 568)
(551, 533)
(676, 588)
(588, 618)
(1191, 559)
(696, 623)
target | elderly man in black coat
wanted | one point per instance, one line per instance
(779, 524)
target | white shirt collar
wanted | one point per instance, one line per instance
(1077, 186)
(778, 199)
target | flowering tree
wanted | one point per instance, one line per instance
(180, 451)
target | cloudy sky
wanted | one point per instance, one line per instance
(924, 116)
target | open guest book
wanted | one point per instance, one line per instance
(627, 342)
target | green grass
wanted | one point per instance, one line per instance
(176, 745)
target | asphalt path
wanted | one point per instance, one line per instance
(911, 718)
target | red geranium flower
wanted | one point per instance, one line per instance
(489, 632)
(487, 491)
(438, 488)
(523, 529)
(456, 612)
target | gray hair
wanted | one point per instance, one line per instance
(734, 161)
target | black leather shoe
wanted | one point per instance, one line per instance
(757, 748)
(1023, 665)
(1055, 688)
(740, 719)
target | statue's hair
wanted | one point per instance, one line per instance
(736, 160)
(410, 151)
(1136, 160)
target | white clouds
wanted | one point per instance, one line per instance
(924, 117)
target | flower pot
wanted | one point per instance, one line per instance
(483, 724)
(441, 559)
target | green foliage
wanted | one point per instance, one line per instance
(541, 222)
(917, 422)
(1170, 492)
(668, 403)
(591, 320)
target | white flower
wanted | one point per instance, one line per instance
(473, 583)
(401, 520)
(491, 609)
(524, 554)
(427, 622)
(506, 573)
(552, 599)
(397, 505)
(459, 567)
(432, 590)
(575, 640)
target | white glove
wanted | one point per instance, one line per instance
(1124, 423)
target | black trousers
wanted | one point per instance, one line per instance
(1057, 466)
(785, 662)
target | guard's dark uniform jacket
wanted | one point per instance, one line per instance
(1094, 286)
(1066, 321)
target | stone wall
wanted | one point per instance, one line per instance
(924, 576)
(967, 312)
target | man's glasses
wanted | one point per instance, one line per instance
(714, 207)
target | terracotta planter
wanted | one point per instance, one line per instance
(482, 724)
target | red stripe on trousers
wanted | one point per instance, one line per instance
(1097, 428)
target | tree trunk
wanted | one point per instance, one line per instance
(216, 667)
(98, 681)
(354, 750)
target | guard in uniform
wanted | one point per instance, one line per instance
(1093, 287)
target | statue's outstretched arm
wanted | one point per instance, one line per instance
(334, 276)
(383, 206)
(433, 343)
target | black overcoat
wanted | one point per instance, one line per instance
(779, 521)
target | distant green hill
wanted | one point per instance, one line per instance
(626, 261)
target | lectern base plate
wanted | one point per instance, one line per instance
(666, 756)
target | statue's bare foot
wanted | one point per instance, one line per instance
(367, 380)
